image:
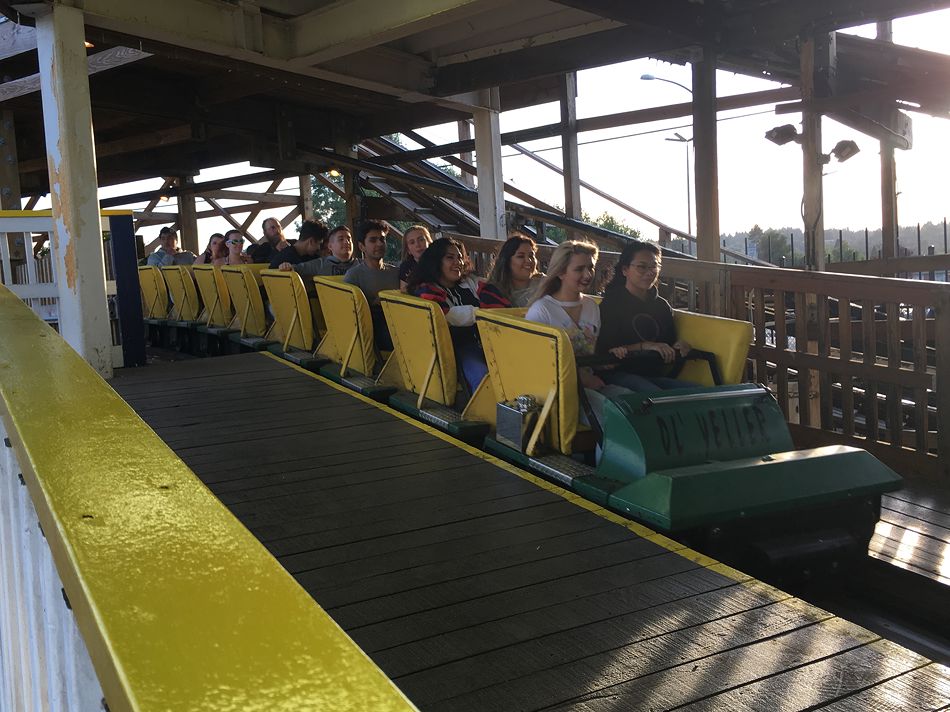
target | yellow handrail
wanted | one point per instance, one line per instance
(181, 608)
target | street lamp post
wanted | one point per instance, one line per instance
(685, 141)
(689, 205)
(651, 78)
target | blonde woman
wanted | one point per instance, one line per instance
(415, 240)
(561, 301)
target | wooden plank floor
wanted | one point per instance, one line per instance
(475, 588)
(914, 530)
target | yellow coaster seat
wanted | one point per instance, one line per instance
(249, 320)
(291, 306)
(348, 343)
(423, 352)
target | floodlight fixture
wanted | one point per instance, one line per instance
(781, 135)
(844, 150)
(335, 173)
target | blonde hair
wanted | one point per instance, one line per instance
(561, 258)
(411, 229)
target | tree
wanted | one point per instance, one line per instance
(770, 244)
(609, 222)
(327, 204)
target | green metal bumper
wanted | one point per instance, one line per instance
(696, 495)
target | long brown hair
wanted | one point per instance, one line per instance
(500, 274)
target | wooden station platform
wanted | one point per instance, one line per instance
(475, 586)
(914, 531)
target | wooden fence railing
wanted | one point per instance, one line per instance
(852, 359)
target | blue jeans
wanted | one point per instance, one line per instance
(642, 384)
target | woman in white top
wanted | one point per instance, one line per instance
(561, 302)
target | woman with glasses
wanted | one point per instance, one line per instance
(440, 277)
(636, 319)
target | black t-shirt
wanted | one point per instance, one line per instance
(288, 254)
(626, 319)
(406, 267)
(261, 252)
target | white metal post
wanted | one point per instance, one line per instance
(491, 193)
(71, 155)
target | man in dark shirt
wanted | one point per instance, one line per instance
(273, 240)
(307, 246)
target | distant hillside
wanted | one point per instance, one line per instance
(855, 242)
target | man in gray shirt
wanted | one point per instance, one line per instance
(373, 275)
(169, 253)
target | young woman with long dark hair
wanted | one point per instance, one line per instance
(635, 318)
(514, 275)
(440, 277)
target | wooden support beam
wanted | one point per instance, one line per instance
(465, 134)
(889, 223)
(468, 171)
(305, 183)
(188, 218)
(707, 161)
(569, 155)
(172, 191)
(263, 198)
(330, 184)
(77, 237)
(99, 62)
(10, 197)
(256, 209)
(351, 187)
(491, 197)
(596, 123)
(156, 139)
(290, 217)
(814, 227)
(223, 212)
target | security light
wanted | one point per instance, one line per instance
(843, 150)
(781, 135)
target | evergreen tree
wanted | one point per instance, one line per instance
(327, 204)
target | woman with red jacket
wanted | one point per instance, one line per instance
(440, 277)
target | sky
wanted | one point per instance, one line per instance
(759, 182)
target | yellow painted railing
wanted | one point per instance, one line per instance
(180, 607)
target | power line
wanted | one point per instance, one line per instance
(641, 133)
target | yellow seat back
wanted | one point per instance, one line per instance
(214, 295)
(290, 306)
(528, 358)
(244, 283)
(154, 293)
(349, 336)
(422, 345)
(729, 339)
(181, 287)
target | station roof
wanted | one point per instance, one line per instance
(185, 84)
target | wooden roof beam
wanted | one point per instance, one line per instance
(344, 28)
(596, 123)
(240, 32)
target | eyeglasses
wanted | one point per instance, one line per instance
(234, 241)
(644, 267)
